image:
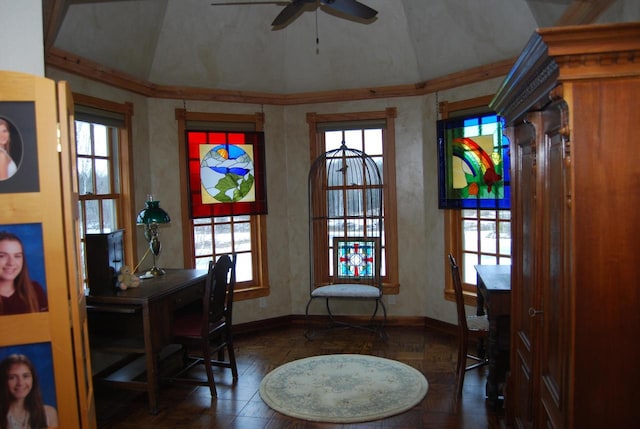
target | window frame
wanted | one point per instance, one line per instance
(453, 218)
(390, 281)
(125, 212)
(259, 287)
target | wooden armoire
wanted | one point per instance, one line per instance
(572, 107)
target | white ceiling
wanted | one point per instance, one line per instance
(192, 43)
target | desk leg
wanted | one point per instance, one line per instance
(492, 377)
(479, 299)
(151, 358)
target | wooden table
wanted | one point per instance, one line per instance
(494, 294)
(137, 323)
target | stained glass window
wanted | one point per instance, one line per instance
(226, 173)
(473, 163)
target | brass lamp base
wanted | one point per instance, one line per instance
(155, 272)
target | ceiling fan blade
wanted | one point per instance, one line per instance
(289, 12)
(234, 3)
(351, 7)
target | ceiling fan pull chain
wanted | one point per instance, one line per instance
(317, 36)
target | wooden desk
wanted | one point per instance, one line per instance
(137, 322)
(494, 294)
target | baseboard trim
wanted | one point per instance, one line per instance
(300, 320)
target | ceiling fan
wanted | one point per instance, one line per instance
(348, 8)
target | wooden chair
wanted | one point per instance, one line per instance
(205, 333)
(469, 327)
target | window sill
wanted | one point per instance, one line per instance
(250, 293)
(470, 298)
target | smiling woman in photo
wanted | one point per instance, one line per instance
(18, 293)
(21, 404)
(7, 166)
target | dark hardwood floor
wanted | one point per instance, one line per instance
(239, 405)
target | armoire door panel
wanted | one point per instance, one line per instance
(555, 284)
(523, 260)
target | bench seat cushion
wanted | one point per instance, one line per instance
(346, 290)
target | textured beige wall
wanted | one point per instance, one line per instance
(420, 222)
(21, 33)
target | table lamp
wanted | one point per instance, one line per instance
(150, 218)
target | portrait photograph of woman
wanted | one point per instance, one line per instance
(22, 270)
(8, 166)
(18, 148)
(27, 398)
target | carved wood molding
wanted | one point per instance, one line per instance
(561, 54)
(88, 69)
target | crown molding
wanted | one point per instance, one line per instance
(88, 69)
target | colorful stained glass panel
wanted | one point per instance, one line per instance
(473, 163)
(226, 173)
(355, 258)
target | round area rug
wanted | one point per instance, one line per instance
(343, 388)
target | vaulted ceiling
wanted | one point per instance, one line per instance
(173, 47)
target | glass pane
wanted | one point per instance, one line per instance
(101, 146)
(201, 221)
(81, 219)
(85, 176)
(335, 204)
(373, 202)
(113, 159)
(505, 246)
(373, 227)
(488, 214)
(83, 138)
(354, 202)
(379, 163)
(355, 228)
(336, 228)
(373, 142)
(202, 241)
(109, 216)
(92, 211)
(242, 237)
(244, 218)
(504, 214)
(488, 260)
(335, 178)
(353, 139)
(332, 140)
(203, 263)
(469, 271)
(489, 237)
(505, 238)
(221, 219)
(222, 236)
(103, 178)
(470, 236)
(505, 261)
(244, 270)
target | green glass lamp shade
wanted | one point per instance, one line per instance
(152, 213)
